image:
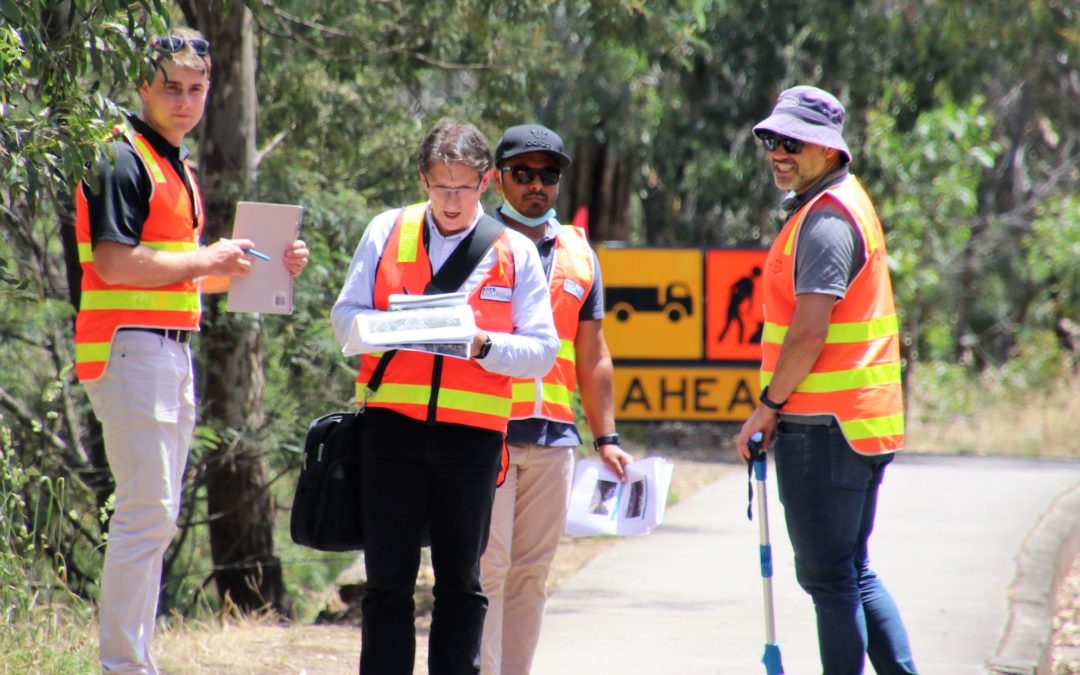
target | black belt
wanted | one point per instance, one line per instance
(175, 334)
(800, 428)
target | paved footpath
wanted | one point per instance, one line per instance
(952, 533)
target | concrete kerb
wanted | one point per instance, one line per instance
(1044, 559)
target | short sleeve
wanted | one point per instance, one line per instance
(593, 307)
(119, 203)
(829, 253)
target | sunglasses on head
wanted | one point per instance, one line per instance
(173, 44)
(524, 175)
(790, 145)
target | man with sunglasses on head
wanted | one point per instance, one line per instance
(830, 374)
(138, 222)
(434, 428)
(530, 507)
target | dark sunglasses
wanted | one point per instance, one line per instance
(173, 44)
(790, 145)
(524, 175)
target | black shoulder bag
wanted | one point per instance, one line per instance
(327, 512)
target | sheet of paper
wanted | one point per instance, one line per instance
(441, 330)
(404, 301)
(272, 227)
(600, 504)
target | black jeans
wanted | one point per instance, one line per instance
(417, 473)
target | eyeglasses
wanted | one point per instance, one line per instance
(173, 44)
(524, 175)
(790, 145)
(445, 191)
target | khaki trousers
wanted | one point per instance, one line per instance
(146, 403)
(527, 520)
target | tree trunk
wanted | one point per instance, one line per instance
(240, 506)
(601, 182)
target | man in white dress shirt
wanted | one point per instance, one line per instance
(434, 431)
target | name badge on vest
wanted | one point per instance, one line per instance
(496, 293)
(573, 288)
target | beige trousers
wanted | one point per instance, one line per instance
(526, 522)
(146, 403)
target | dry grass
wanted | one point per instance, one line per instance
(1047, 425)
(258, 646)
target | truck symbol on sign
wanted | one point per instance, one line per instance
(623, 301)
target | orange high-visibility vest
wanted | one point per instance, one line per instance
(170, 226)
(460, 391)
(551, 397)
(856, 379)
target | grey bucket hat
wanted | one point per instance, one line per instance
(810, 115)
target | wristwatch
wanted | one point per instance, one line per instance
(769, 403)
(609, 439)
(484, 348)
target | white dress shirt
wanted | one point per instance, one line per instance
(529, 351)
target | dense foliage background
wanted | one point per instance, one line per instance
(961, 116)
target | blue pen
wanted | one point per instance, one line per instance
(258, 254)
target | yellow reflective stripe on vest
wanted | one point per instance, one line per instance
(470, 401)
(523, 392)
(86, 352)
(149, 300)
(874, 427)
(170, 245)
(567, 351)
(842, 333)
(412, 221)
(148, 157)
(842, 380)
(557, 394)
(451, 399)
(86, 250)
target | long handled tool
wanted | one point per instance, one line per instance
(771, 659)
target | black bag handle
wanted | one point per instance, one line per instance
(465, 257)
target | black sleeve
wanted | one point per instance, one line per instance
(119, 203)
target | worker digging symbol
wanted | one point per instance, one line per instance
(742, 293)
(623, 301)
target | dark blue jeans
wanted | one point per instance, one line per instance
(829, 493)
(443, 475)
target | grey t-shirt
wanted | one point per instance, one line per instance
(829, 253)
(828, 256)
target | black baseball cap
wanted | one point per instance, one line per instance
(526, 138)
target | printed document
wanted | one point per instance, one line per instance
(268, 287)
(442, 324)
(600, 504)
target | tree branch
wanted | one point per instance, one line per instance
(277, 140)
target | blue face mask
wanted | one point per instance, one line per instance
(525, 220)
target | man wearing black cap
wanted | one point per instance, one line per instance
(530, 507)
(830, 373)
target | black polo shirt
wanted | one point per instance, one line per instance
(120, 206)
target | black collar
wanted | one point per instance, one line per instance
(160, 145)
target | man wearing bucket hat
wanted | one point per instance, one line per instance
(530, 507)
(830, 376)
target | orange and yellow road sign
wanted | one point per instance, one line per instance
(684, 329)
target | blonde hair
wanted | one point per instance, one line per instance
(185, 57)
